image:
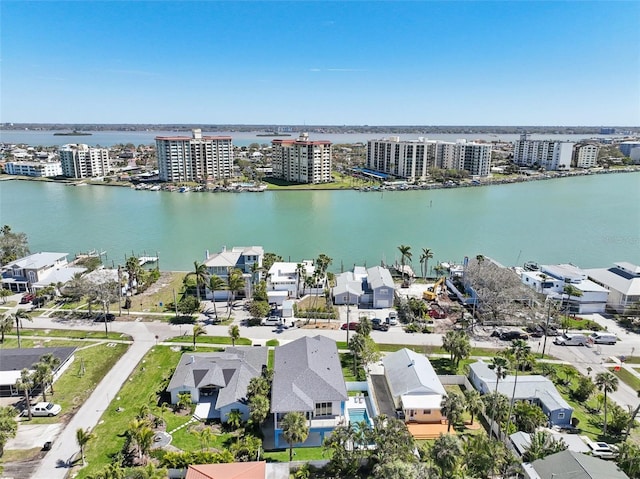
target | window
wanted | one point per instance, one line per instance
(560, 415)
(426, 411)
(324, 409)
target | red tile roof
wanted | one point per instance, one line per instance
(234, 470)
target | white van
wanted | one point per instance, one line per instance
(570, 339)
(603, 338)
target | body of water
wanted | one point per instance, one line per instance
(109, 138)
(591, 221)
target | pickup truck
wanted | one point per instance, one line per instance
(46, 409)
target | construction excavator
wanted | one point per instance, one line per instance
(431, 294)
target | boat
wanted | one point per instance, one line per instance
(184, 189)
(72, 133)
(155, 188)
(531, 266)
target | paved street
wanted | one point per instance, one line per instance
(145, 334)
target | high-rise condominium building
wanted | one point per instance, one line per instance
(411, 159)
(82, 161)
(585, 155)
(199, 158)
(302, 160)
(547, 154)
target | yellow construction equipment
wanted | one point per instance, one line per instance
(431, 294)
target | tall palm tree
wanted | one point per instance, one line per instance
(500, 366)
(446, 453)
(519, 350)
(294, 430)
(82, 438)
(198, 330)
(473, 401)
(216, 283)
(133, 269)
(18, 316)
(42, 375)
(301, 274)
(25, 384)
(234, 419)
(145, 441)
(633, 417)
(570, 290)
(235, 284)
(6, 324)
(200, 274)
(405, 254)
(234, 333)
(452, 407)
(53, 362)
(606, 383)
(426, 255)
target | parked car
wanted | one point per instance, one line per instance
(27, 298)
(569, 339)
(353, 325)
(511, 335)
(567, 428)
(38, 302)
(535, 331)
(271, 321)
(46, 409)
(601, 449)
(437, 314)
(392, 319)
(549, 331)
(379, 324)
(108, 317)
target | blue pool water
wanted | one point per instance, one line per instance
(358, 415)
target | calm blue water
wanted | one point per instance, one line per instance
(591, 221)
(358, 415)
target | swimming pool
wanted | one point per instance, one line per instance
(357, 415)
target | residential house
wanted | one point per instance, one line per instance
(247, 259)
(522, 441)
(13, 361)
(533, 388)
(218, 382)
(307, 378)
(414, 386)
(290, 277)
(622, 281)
(572, 465)
(239, 470)
(371, 287)
(37, 271)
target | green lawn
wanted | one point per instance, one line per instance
(143, 386)
(299, 454)
(627, 377)
(73, 333)
(346, 361)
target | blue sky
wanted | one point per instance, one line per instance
(352, 63)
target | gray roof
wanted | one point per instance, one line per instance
(522, 441)
(230, 370)
(408, 372)
(573, 465)
(379, 277)
(18, 359)
(527, 387)
(348, 282)
(36, 261)
(618, 279)
(307, 371)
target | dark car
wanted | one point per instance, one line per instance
(379, 324)
(535, 331)
(511, 335)
(352, 326)
(106, 317)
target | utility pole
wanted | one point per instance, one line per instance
(546, 329)
(348, 301)
(175, 302)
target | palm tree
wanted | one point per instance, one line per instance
(25, 383)
(426, 255)
(258, 409)
(42, 375)
(216, 283)
(457, 344)
(8, 425)
(200, 274)
(133, 269)
(473, 401)
(446, 453)
(500, 366)
(633, 418)
(204, 435)
(452, 407)
(542, 444)
(145, 441)
(198, 330)
(294, 430)
(53, 362)
(606, 383)
(234, 419)
(405, 254)
(6, 324)
(235, 283)
(570, 290)
(18, 316)
(82, 438)
(519, 350)
(3, 294)
(234, 333)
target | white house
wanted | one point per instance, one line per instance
(622, 281)
(247, 259)
(414, 386)
(552, 279)
(290, 277)
(37, 271)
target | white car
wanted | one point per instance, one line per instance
(601, 449)
(271, 321)
(46, 409)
